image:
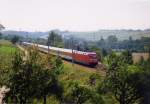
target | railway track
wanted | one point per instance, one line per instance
(100, 69)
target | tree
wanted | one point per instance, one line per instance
(112, 39)
(112, 42)
(1, 35)
(79, 93)
(143, 85)
(45, 77)
(83, 94)
(22, 79)
(119, 83)
(48, 79)
(54, 39)
(104, 52)
(32, 79)
(58, 66)
(127, 57)
(18, 80)
(1, 27)
(50, 39)
(93, 79)
(101, 43)
(15, 39)
(98, 52)
(95, 93)
(142, 77)
(130, 38)
(46, 84)
(96, 98)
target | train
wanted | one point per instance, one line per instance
(85, 58)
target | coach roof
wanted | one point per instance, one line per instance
(60, 49)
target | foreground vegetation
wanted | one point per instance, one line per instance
(45, 79)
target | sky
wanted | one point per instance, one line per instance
(74, 15)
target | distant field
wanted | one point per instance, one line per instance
(138, 56)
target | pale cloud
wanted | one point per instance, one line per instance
(84, 15)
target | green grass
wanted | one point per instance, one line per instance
(7, 49)
(77, 72)
(6, 52)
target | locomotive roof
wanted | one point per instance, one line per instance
(60, 49)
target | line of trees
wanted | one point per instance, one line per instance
(55, 40)
(112, 42)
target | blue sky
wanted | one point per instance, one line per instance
(75, 15)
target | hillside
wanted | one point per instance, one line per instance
(90, 36)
